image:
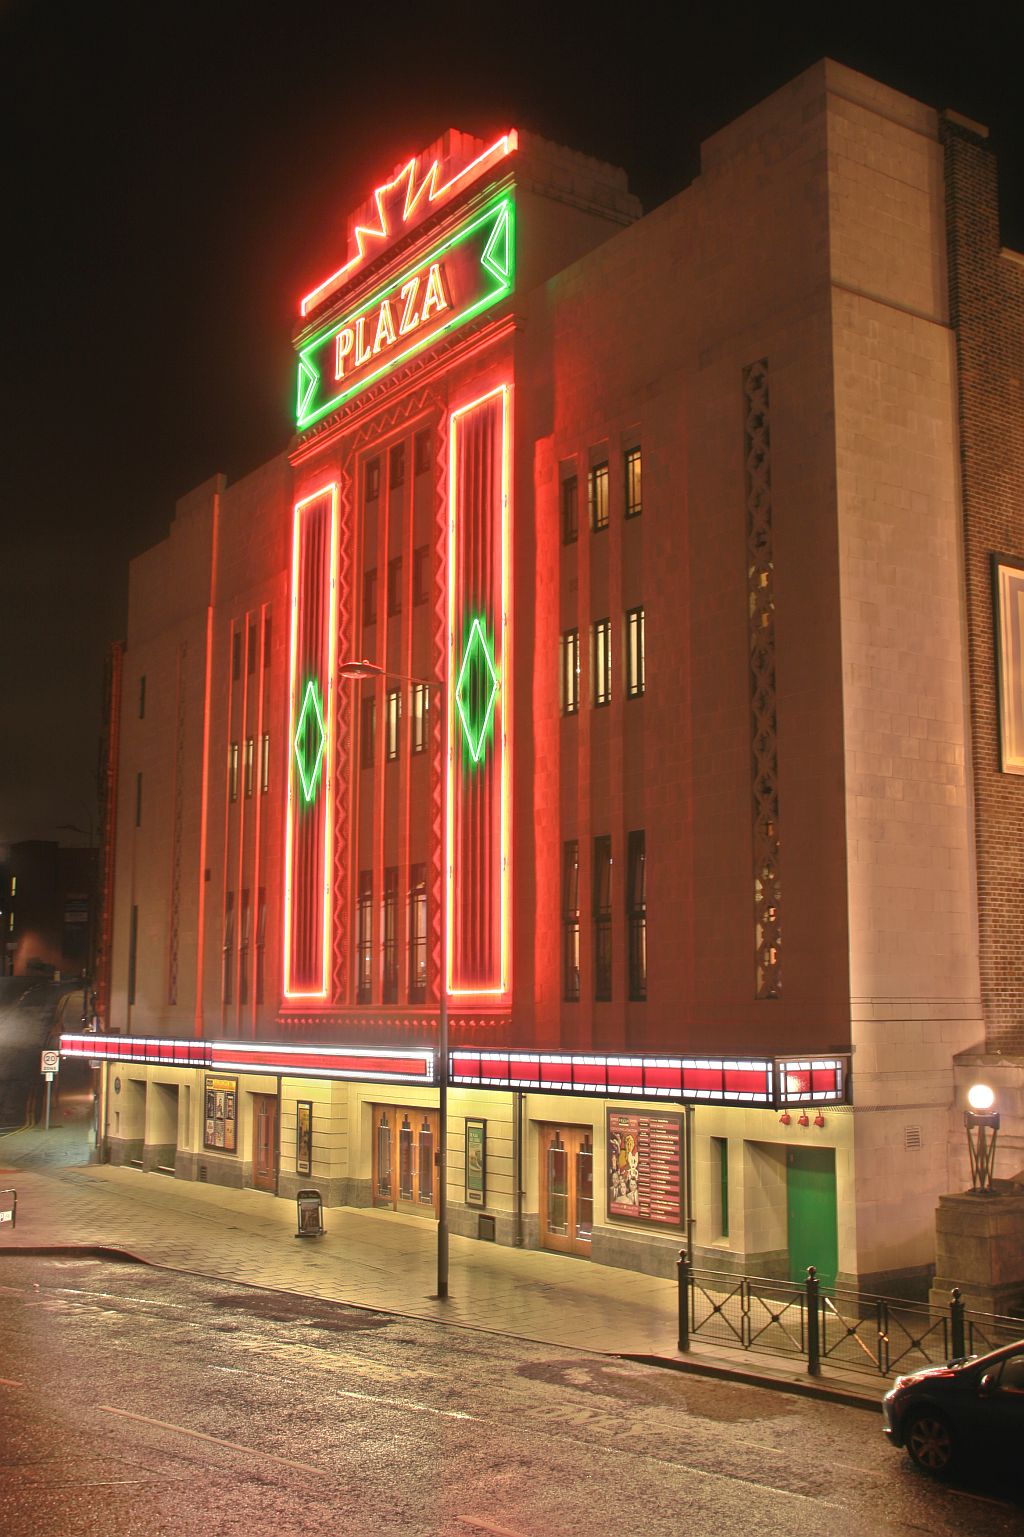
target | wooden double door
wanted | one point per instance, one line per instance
(405, 1157)
(566, 1188)
(264, 1142)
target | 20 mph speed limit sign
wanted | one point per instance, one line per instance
(51, 1062)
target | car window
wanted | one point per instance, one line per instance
(1011, 1378)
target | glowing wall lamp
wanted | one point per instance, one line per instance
(980, 1120)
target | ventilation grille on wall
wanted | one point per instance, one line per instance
(911, 1137)
(202, 1174)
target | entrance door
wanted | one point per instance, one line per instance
(264, 1142)
(567, 1188)
(405, 1150)
(811, 1213)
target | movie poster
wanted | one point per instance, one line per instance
(220, 1123)
(645, 1167)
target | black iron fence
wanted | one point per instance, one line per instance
(852, 1330)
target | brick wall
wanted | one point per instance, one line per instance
(986, 285)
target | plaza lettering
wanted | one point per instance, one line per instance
(375, 331)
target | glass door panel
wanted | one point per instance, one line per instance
(567, 1194)
(584, 1191)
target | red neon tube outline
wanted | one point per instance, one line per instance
(505, 391)
(435, 194)
(331, 489)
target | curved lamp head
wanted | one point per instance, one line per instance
(981, 1097)
(363, 669)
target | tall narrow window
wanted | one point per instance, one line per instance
(250, 648)
(236, 656)
(138, 799)
(571, 921)
(569, 671)
(395, 585)
(133, 952)
(390, 992)
(367, 732)
(233, 771)
(370, 596)
(394, 704)
(371, 480)
(265, 763)
(720, 1185)
(597, 486)
(603, 662)
(418, 934)
(243, 950)
(227, 990)
(364, 938)
(419, 717)
(602, 919)
(423, 443)
(261, 943)
(396, 466)
(570, 510)
(250, 764)
(142, 697)
(266, 639)
(420, 573)
(634, 488)
(634, 653)
(636, 915)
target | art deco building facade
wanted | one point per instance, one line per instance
(647, 535)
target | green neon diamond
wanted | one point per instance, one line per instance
(476, 691)
(310, 740)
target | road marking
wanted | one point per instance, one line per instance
(8, 1382)
(406, 1403)
(200, 1435)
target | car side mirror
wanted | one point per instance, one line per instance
(987, 1384)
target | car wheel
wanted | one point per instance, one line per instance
(929, 1441)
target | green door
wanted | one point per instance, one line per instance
(811, 1213)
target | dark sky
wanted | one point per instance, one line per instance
(173, 177)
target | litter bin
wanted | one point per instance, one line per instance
(8, 1208)
(311, 1214)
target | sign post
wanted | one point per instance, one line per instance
(50, 1065)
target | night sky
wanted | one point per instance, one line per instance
(173, 177)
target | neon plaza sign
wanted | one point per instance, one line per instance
(468, 272)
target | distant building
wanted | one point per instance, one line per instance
(679, 508)
(47, 898)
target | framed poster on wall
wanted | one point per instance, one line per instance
(645, 1167)
(1008, 584)
(476, 1163)
(304, 1137)
(220, 1114)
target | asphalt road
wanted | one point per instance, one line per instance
(136, 1401)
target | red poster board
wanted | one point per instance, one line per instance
(645, 1167)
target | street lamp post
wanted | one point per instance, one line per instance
(357, 671)
(981, 1121)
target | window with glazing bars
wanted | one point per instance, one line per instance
(249, 770)
(396, 466)
(367, 732)
(233, 771)
(571, 921)
(370, 596)
(250, 648)
(394, 715)
(570, 510)
(636, 915)
(261, 942)
(634, 487)
(422, 446)
(603, 662)
(227, 990)
(243, 950)
(236, 656)
(602, 919)
(634, 652)
(371, 480)
(418, 934)
(597, 486)
(419, 717)
(390, 929)
(395, 585)
(569, 671)
(420, 573)
(364, 938)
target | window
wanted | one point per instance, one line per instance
(418, 934)
(364, 938)
(250, 764)
(142, 697)
(138, 799)
(396, 466)
(243, 951)
(227, 978)
(720, 1185)
(636, 915)
(420, 709)
(395, 585)
(233, 771)
(598, 494)
(569, 671)
(571, 921)
(420, 573)
(603, 919)
(634, 653)
(371, 480)
(634, 490)
(261, 941)
(236, 656)
(133, 951)
(603, 662)
(570, 510)
(422, 450)
(265, 763)
(266, 641)
(394, 703)
(370, 596)
(367, 732)
(390, 992)
(250, 649)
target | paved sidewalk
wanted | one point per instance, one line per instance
(376, 1260)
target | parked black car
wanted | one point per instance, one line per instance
(942, 1412)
